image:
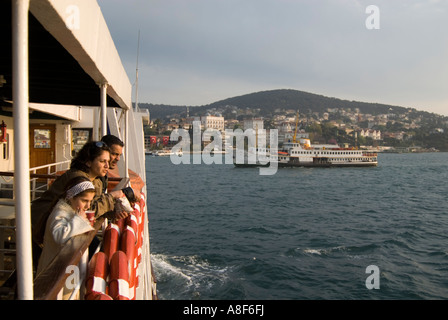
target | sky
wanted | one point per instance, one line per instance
(196, 52)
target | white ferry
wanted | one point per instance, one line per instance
(166, 153)
(302, 154)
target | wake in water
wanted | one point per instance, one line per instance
(187, 277)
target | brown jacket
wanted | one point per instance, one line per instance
(42, 207)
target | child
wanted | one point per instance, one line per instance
(67, 219)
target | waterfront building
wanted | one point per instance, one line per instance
(212, 122)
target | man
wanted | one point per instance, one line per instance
(116, 150)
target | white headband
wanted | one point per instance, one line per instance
(77, 189)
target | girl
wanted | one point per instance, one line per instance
(67, 219)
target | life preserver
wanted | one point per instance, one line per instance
(111, 239)
(122, 252)
(99, 296)
(98, 271)
(142, 201)
(119, 276)
(141, 229)
(141, 226)
(132, 221)
(128, 247)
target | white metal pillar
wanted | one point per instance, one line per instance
(126, 143)
(20, 84)
(103, 88)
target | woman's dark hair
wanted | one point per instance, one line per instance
(88, 152)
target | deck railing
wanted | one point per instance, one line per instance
(39, 182)
(52, 169)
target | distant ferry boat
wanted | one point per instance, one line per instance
(303, 154)
(165, 153)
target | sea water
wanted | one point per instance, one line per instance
(220, 232)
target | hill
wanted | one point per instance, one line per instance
(404, 127)
(268, 101)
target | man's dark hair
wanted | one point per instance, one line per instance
(110, 140)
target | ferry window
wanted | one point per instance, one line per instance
(42, 138)
(80, 137)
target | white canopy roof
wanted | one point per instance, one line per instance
(71, 54)
(80, 28)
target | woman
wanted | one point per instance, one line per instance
(91, 162)
(67, 219)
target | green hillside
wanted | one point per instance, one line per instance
(269, 101)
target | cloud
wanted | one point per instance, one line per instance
(199, 51)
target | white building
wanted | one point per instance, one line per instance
(212, 122)
(374, 134)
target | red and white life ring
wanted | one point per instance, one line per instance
(119, 276)
(122, 254)
(98, 272)
(128, 247)
(111, 239)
